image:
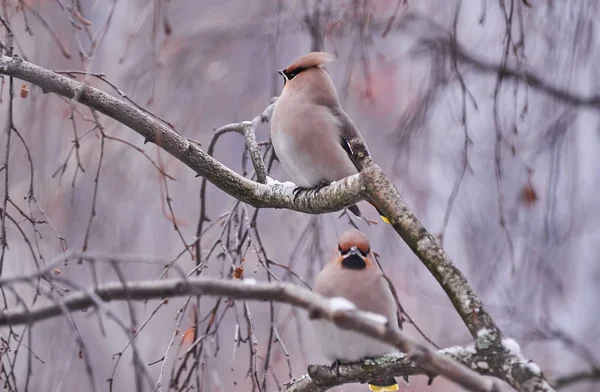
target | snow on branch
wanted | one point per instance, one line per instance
(319, 306)
(371, 184)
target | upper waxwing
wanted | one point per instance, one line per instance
(353, 273)
(310, 131)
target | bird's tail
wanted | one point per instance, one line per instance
(384, 385)
(383, 217)
(355, 210)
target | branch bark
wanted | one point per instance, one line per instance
(385, 195)
(334, 198)
(429, 361)
(371, 183)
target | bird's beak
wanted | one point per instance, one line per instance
(282, 73)
(354, 251)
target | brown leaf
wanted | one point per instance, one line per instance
(24, 91)
(188, 335)
(238, 272)
(529, 195)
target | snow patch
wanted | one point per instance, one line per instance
(273, 182)
(458, 350)
(378, 318)
(512, 347)
(395, 355)
(483, 365)
(471, 349)
(249, 281)
(454, 350)
(483, 332)
(533, 368)
(340, 304)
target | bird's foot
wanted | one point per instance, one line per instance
(335, 367)
(320, 186)
(297, 191)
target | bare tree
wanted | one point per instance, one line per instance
(107, 215)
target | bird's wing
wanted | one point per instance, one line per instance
(348, 132)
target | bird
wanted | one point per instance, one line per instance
(353, 274)
(310, 131)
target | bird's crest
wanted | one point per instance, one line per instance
(311, 60)
(354, 237)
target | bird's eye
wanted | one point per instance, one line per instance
(291, 75)
(365, 253)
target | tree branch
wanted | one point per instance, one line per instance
(371, 183)
(385, 195)
(592, 375)
(248, 129)
(507, 72)
(480, 357)
(318, 305)
(334, 198)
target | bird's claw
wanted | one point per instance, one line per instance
(320, 186)
(335, 367)
(297, 191)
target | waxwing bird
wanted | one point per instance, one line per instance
(310, 131)
(353, 273)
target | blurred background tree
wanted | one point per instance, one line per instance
(481, 112)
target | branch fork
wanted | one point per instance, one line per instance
(370, 184)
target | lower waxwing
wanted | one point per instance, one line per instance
(353, 274)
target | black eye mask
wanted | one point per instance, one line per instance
(290, 75)
(293, 74)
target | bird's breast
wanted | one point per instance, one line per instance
(306, 139)
(345, 345)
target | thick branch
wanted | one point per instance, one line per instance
(481, 357)
(371, 183)
(321, 378)
(385, 195)
(319, 306)
(334, 198)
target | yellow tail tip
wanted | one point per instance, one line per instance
(388, 388)
(386, 220)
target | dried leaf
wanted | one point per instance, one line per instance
(188, 335)
(529, 195)
(24, 91)
(238, 272)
